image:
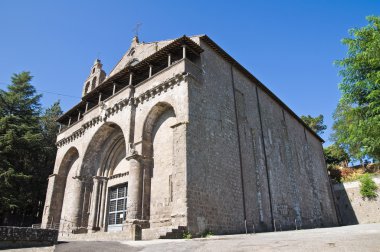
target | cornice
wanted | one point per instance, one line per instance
(120, 105)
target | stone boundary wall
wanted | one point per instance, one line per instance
(352, 208)
(18, 237)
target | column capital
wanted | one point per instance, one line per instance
(133, 153)
(134, 156)
(83, 179)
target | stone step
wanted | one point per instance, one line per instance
(156, 232)
(176, 233)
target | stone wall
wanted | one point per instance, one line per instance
(352, 208)
(252, 165)
(214, 190)
(17, 237)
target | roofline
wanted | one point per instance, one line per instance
(236, 64)
(183, 39)
(224, 55)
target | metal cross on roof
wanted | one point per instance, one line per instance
(136, 29)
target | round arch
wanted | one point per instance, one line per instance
(105, 153)
(148, 127)
(93, 84)
(157, 150)
(68, 160)
(65, 194)
(107, 140)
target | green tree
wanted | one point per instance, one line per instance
(357, 117)
(315, 123)
(336, 155)
(26, 150)
(19, 134)
(49, 130)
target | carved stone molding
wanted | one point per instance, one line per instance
(119, 175)
(159, 89)
(119, 106)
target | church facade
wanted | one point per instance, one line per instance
(179, 136)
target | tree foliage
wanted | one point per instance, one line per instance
(357, 116)
(336, 155)
(315, 123)
(27, 149)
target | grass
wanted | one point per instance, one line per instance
(207, 233)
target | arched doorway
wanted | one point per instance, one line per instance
(158, 148)
(103, 173)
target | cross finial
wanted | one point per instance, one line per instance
(136, 29)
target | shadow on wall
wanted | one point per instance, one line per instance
(346, 213)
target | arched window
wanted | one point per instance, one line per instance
(131, 52)
(87, 87)
(93, 82)
(93, 70)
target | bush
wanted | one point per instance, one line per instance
(187, 235)
(373, 168)
(207, 233)
(349, 174)
(368, 187)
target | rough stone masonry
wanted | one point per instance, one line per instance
(180, 136)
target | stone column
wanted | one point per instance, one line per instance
(134, 224)
(78, 202)
(169, 59)
(147, 164)
(92, 220)
(150, 70)
(184, 51)
(134, 187)
(130, 78)
(114, 89)
(103, 206)
(100, 98)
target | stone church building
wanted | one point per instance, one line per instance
(180, 136)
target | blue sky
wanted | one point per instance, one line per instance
(289, 45)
